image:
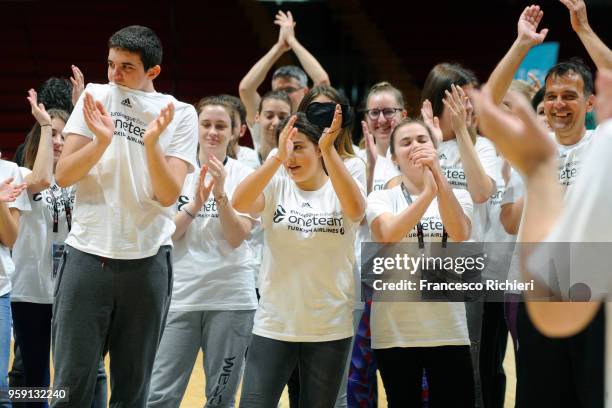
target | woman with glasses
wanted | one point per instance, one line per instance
(384, 110)
(409, 337)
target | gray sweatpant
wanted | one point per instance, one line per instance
(223, 336)
(109, 305)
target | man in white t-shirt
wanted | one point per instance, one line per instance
(558, 371)
(585, 217)
(114, 283)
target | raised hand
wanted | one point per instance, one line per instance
(457, 103)
(217, 171)
(578, 14)
(326, 142)
(9, 191)
(521, 139)
(370, 145)
(286, 34)
(528, 26)
(536, 84)
(431, 121)
(157, 127)
(38, 109)
(203, 189)
(98, 120)
(78, 83)
(285, 139)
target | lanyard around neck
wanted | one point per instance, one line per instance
(419, 226)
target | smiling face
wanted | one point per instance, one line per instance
(273, 111)
(566, 105)
(304, 162)
(406, 138)
(215, 130)
(381, 127)
(57, 126)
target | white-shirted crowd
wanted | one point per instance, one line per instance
(137, 226)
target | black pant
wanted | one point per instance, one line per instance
(449, 375)
(293, 388)
(567, 372)
(32, 324)
(493, 344)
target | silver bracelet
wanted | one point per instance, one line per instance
(188, 212)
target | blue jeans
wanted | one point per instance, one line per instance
(271, 362)
(5, 345)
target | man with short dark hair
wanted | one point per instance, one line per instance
(115, 279)
(551, 371)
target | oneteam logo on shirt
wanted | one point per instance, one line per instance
(279, 214)
(126, 102)
(309, 222)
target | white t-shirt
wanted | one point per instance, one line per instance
(356, 166)
(570, 158)
(33, 281)
(452, 168)
(306, 281)
(248, 157)
(384, 171)
(587, 218)
(417, 324)
(10, 169)
(514, 191)
(208, 273)
(497, 241)
(115, 214)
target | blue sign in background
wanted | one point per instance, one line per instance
(538, 61)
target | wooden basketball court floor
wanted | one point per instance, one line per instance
(194, 396)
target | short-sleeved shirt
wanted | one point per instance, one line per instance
(22, 203)
(208, 273)
(306, 281)
(116, 214)
(417, 324)
(33, 280)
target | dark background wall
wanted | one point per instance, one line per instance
(210, 45)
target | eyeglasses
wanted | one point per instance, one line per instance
(289, 89)
(388, 113)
